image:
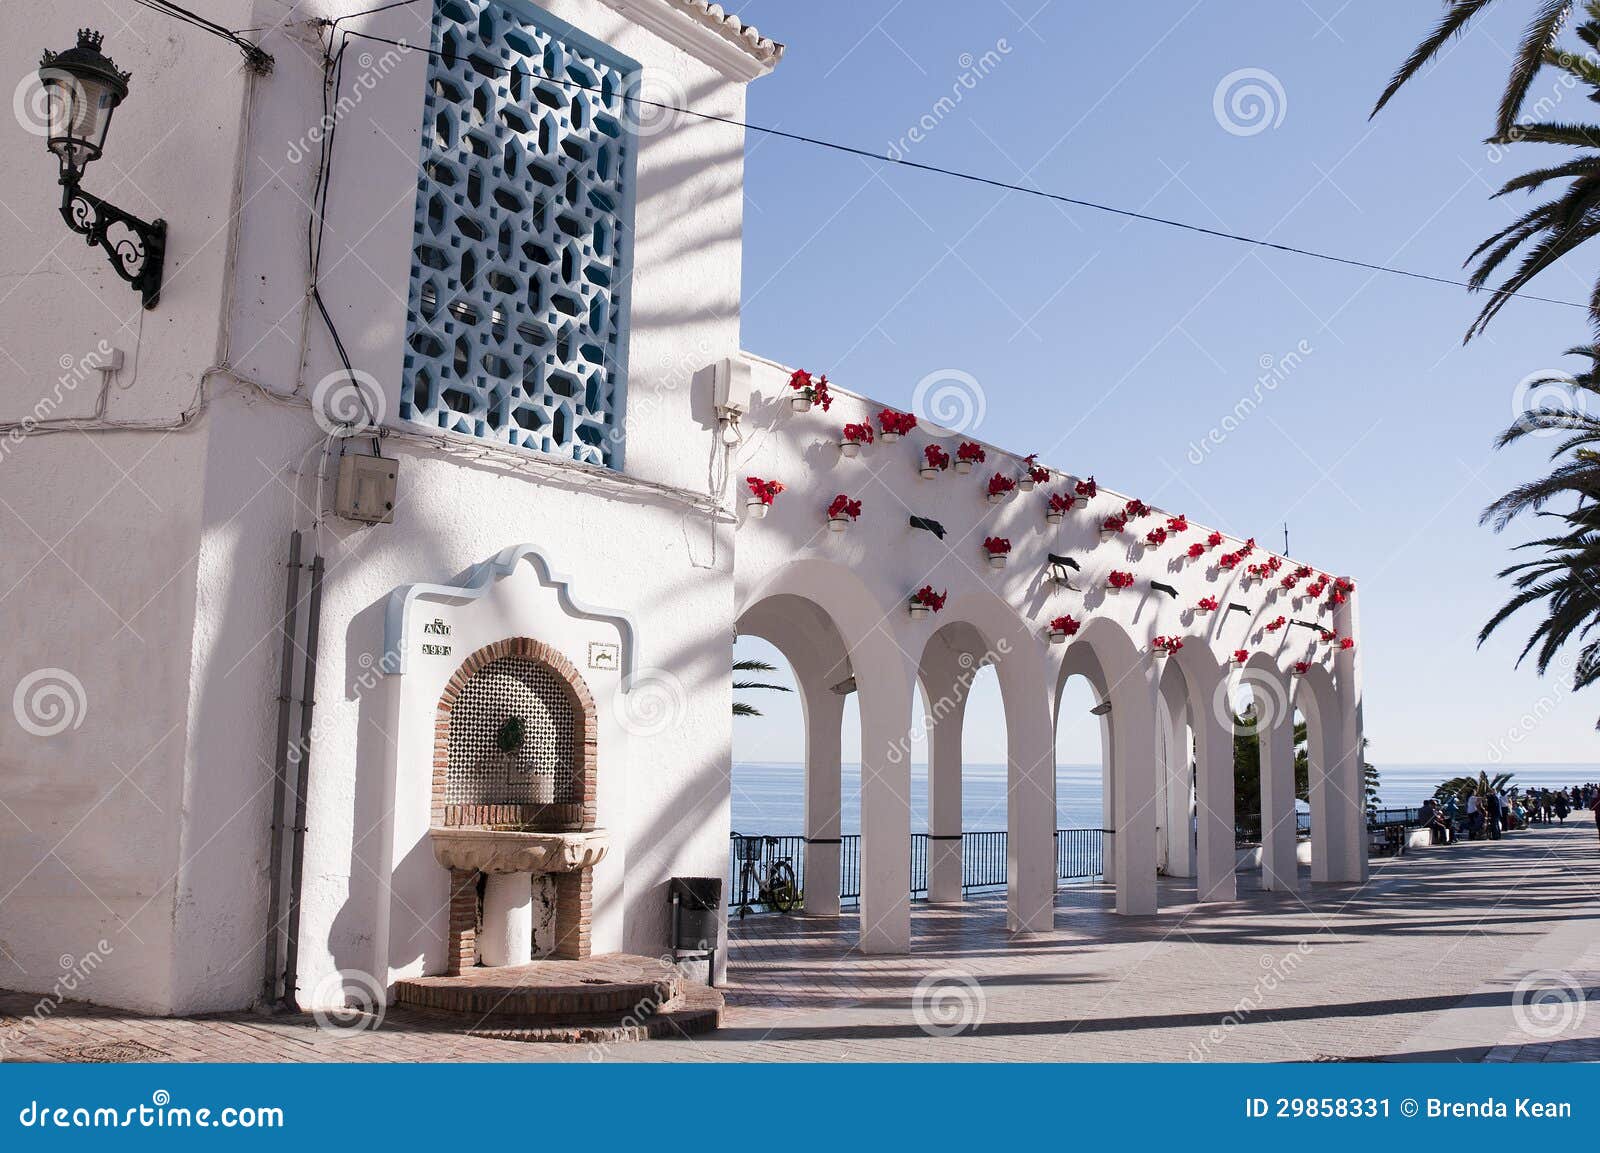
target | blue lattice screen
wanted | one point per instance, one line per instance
(518, 306)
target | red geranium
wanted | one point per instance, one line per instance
(1136, 508)
(896, 422)
(1228, 559)
(1067, 624)
(766, 491)
(1168, 645)
(1288, 581)
(844, 506)
(1196, 551)
(1214, 540)
(1302, 667)
(1114, 523)
(815, 391)
(1346, 644)
(1240, 656)
(1120, 580)
(1344, 585)
(971, 453)
(1000, 484)
(1038, 474)
(1274, 563)
(1328, 634)
(927, 597)
(936, 457)
(1303, 571)
(1248, 547)
(1177, 524)
(1061, 504)
(1088, 488)
(1207, 604)
(858, 433)
(1315, 588)
(997, 545)
(1156, 537)
(1274, 626)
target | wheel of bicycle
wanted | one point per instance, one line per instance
(785, 892)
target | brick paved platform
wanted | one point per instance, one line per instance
(1483, 951)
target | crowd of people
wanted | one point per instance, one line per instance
(1472, 815)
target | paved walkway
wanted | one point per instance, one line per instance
(1484, 951)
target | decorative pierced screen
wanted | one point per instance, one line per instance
(520, 270)
(511, 738)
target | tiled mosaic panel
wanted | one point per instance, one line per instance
(518, 316)
(543, 770)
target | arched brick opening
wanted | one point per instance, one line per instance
(548, 785)
(564, 730)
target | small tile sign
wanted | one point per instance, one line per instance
(437, 632)
(603, 655)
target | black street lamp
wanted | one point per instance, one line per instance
(82, 89)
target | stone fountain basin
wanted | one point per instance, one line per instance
(494, 850)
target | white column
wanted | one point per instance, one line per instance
(885, 806)
(1215, 856)
(1108, 800)
(1279, 869)
(1137, 753)
(824, 712)
(1177, 842)
(1030, 803)
(507, 934)
(944, 792)
(1346, 776)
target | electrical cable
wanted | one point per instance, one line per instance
(1008, 186)
(259, 60)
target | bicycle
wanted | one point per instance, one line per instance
(775, 885)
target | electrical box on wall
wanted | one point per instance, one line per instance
(730, 387)
(366, 488)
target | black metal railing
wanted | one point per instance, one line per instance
(1079, 856)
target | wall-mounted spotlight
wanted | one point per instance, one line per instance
(82, 89)
(1101, 709)
(1061, 570)
(845, 687)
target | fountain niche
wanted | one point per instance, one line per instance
(513, 813)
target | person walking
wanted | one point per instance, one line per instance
(1494, 818)
(1595, 806)
(1561, 806)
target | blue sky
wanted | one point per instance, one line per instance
(1114, 347)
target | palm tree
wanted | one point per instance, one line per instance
(1481, 786)
(742, 708)
(1549, 17)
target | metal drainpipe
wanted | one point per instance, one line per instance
(280, 767)
(297, 858)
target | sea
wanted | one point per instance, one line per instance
(768, 796)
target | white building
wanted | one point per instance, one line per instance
(535, 279)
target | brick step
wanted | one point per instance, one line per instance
(695, 1011)
(596, 991)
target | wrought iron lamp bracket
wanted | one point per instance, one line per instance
(137, 258)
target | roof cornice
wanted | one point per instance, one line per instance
(707, 33)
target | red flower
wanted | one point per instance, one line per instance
(1240, 656)
(844, 506)
(1177, 524)
(1214, 540)
(858, 433)
(815, 391)
(1156, 537)
(1328, 634)
(1346, 644)
(1315, 588)
(1248, 547)
(926, 596)
(1207, 604)
(1344, 585)
(971, 453)
(1061, 504)
(1196, 551)
(1303, 571)
(936, 457)
(997, 545)
(1067, 624)
(1088, 488)
(1120, 580)
(897, 422)
(1136, 508)
(1000, 484)
(1038, 475)
(1336, 597)
(1274, 563)
(1228, 559)
(1302, 667)
(766, 491)
(1114, 523)
(1288, 581)
(1274, 626)
(1168, 645)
